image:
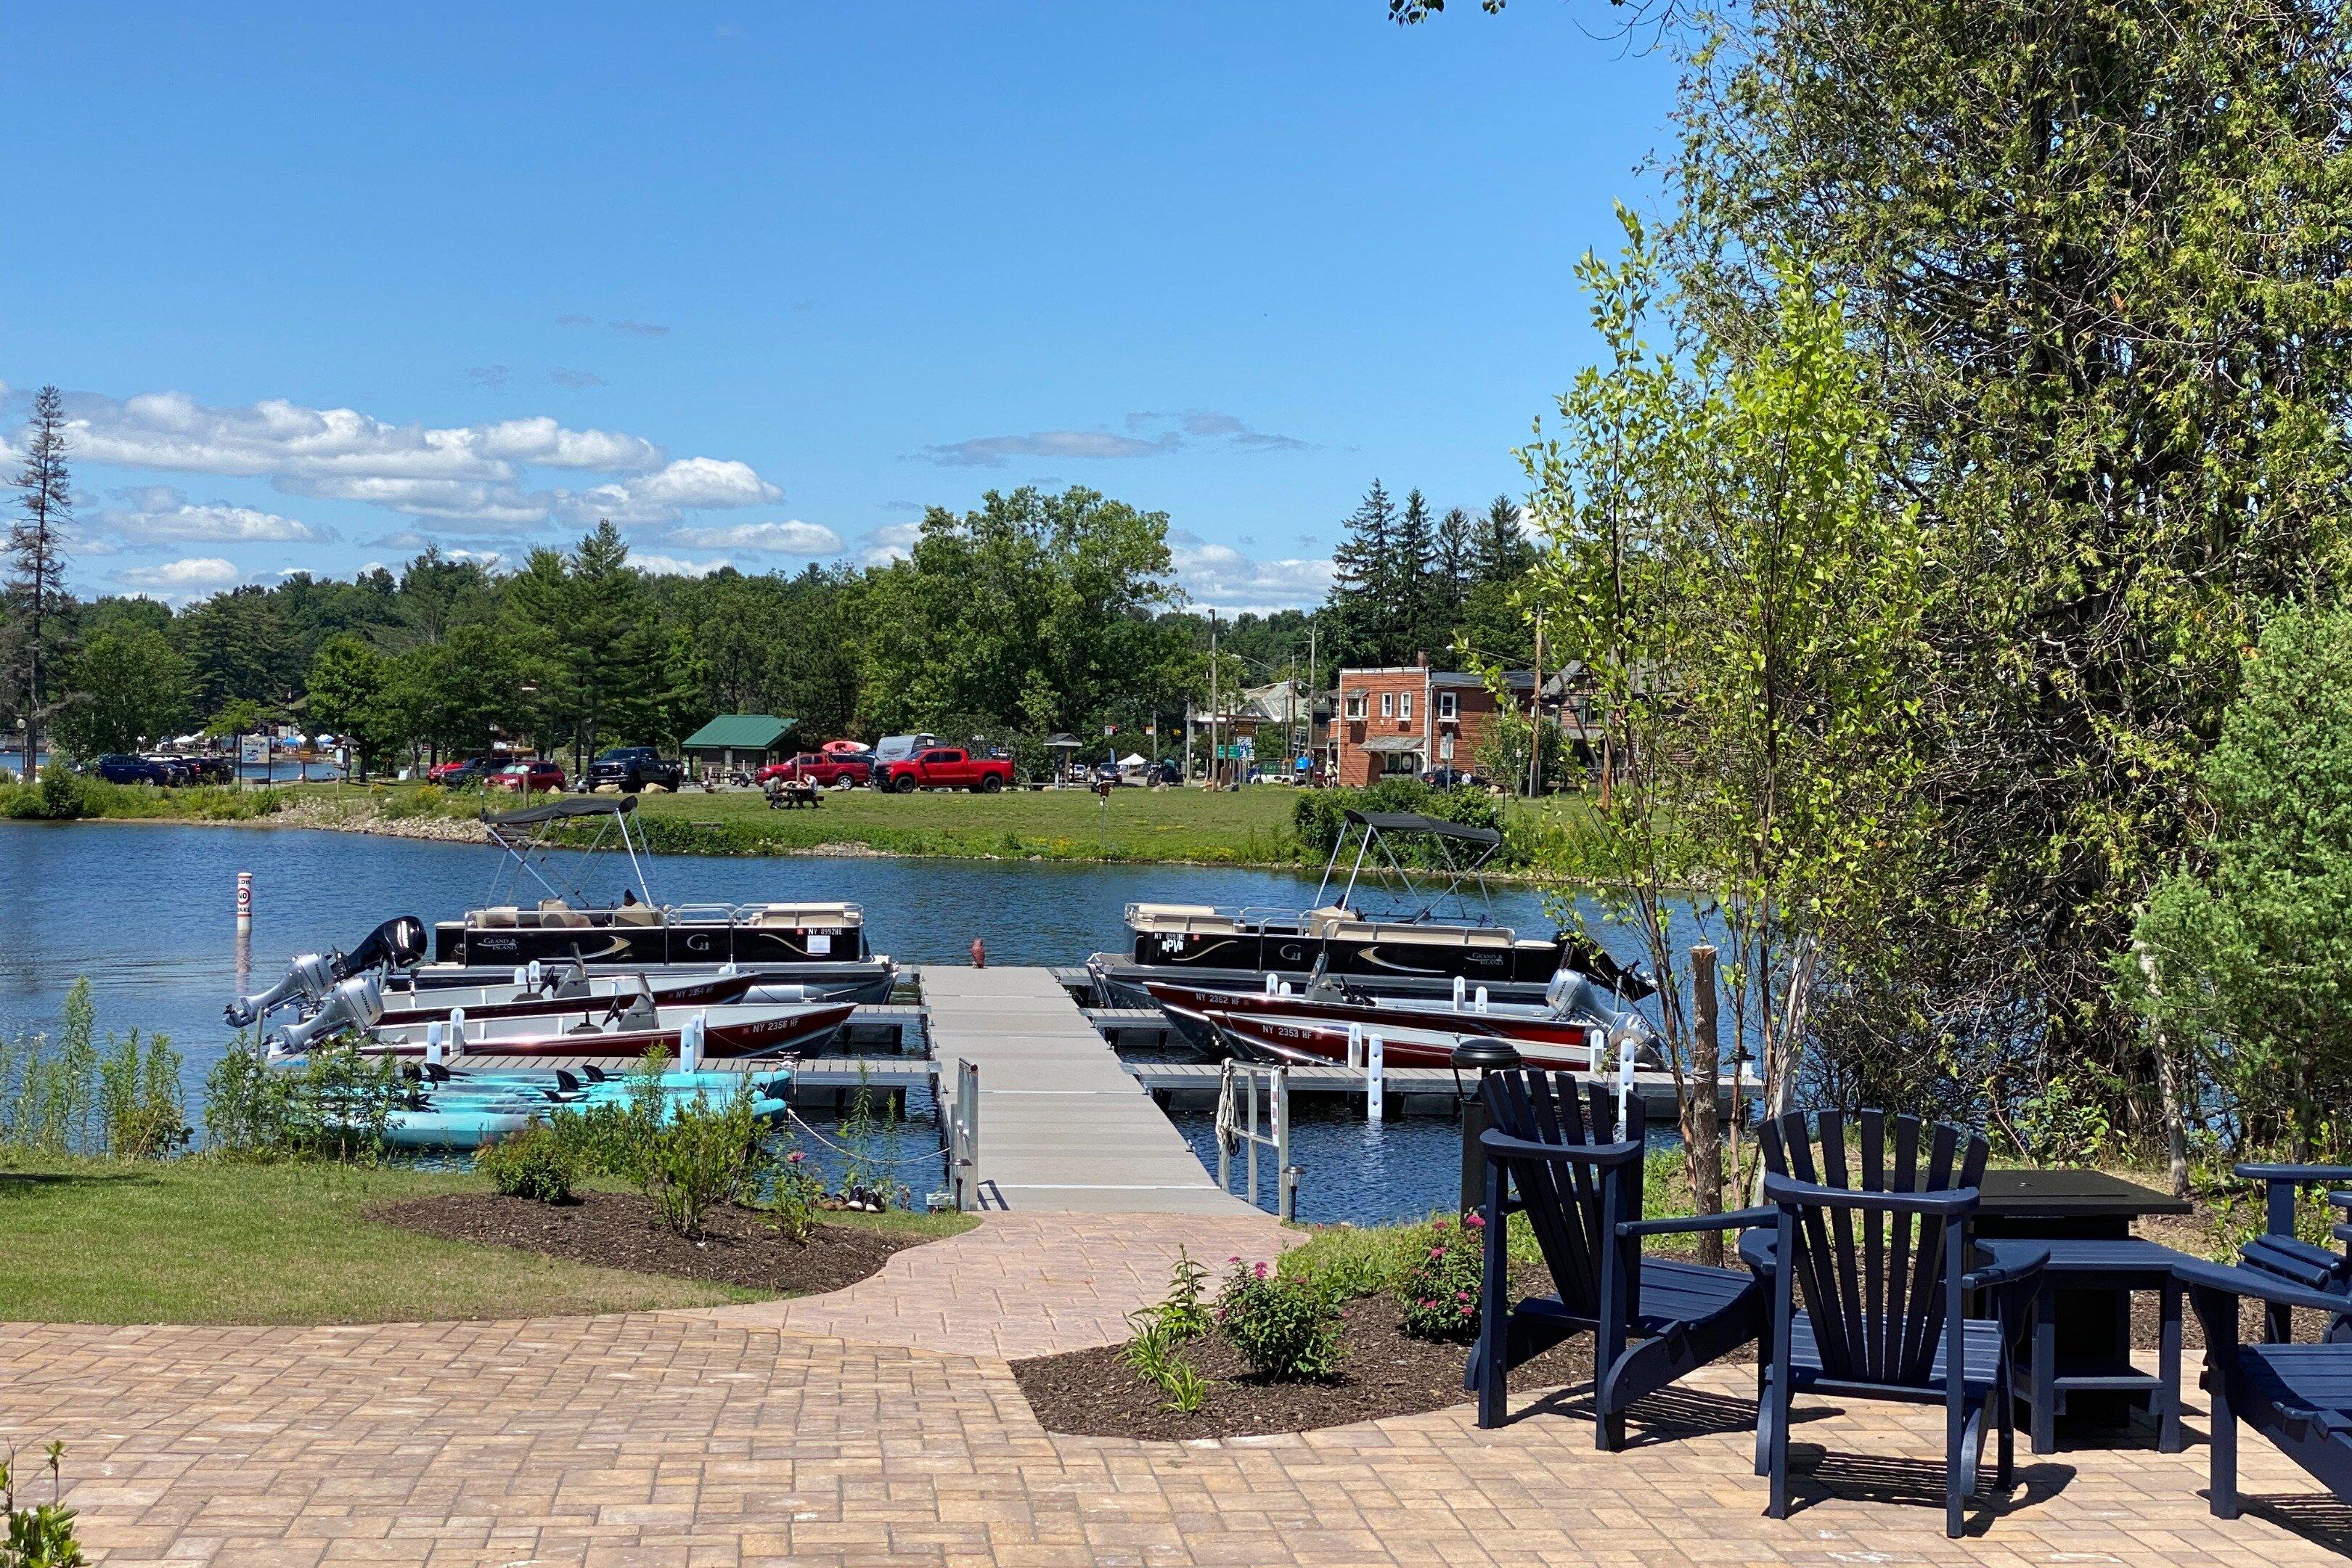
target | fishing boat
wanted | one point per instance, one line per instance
(821, 945)
(1578, 1028)
(625, 1030)
(538, 991)
(1410, 953)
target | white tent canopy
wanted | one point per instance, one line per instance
(1132, 760)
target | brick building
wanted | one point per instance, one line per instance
(1406, 719)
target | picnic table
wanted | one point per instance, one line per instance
(785, 794)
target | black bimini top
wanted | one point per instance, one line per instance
(1413, 822)
(557, 810)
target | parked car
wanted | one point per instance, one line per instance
(176, 771)
(529, 773)
(891, 749)
(460, 771)
(1452, 778)
(633, 768)
(210, 769)
(823, 769)
(948, 767)
(117, 768)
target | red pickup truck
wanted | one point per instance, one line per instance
(822, 769)
(948, 767)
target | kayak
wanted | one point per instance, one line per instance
(469, 1119)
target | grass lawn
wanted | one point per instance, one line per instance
(190, 1241)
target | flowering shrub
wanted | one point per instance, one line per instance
(793, 1204)
(1439, 1290)
(1287, 1329)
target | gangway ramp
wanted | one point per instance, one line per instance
(1062, 1125)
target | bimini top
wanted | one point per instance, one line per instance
(557, 810)
(1414, 822)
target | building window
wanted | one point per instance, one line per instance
(1356, 705)
(1387, 704)
(1404, 707)
(1448, 707)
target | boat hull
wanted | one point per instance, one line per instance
(756, 1032)
(1263, 1028)
(1125, 984)
(605, 944)
(485, 1001)
(863, 980)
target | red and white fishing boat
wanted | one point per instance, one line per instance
(1322, 1025)
(728, 1033)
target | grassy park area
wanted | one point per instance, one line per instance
(206, 1241)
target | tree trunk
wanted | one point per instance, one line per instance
(2168, 1083)
(1705, 1154)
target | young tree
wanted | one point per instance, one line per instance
(36, 556)
(1723, 558)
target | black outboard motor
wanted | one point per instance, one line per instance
(398, 943)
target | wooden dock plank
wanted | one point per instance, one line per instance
(1063, 1125)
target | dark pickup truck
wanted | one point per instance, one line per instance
(633, 768)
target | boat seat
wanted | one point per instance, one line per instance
(503, 915)
(1426, 936)
(1171, 917)
(836, 917)
(1325, 921)
(636, 915)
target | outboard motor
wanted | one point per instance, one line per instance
(307, 979)
(398, 943)
(353, 1004)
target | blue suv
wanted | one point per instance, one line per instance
(116, 768)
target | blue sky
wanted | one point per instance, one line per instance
(759, 282)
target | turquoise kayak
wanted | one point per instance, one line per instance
(469, 1119)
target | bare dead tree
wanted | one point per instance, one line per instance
(37, 563)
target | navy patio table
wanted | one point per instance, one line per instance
(2090, 1269)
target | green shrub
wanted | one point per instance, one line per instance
(1318, 818)
(794, 1202)
(138, 1099)
(537, 1163)
(337, 1103)
(40, 1536)
(701, 1156)
(1286, 1329)
(1440, 1289)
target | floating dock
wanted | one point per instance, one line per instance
(1063, 1126)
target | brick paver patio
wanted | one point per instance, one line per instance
(882, 1426)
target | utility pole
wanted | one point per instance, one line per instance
(1212, 697)
(1315, 674)
(1535, 718)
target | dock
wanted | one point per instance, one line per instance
(1063, 1126)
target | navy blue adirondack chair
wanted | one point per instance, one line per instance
(1652, 1321)
(1879, 1256)
(2299, 1396)
(2278, 1250)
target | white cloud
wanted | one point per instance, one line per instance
(1221, 575)
(793, 538)
(192, 577)
(660, 496)
(155, 514)
(676, 565)
(1150, 435)
(893, 542)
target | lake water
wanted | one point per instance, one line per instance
(148, 913)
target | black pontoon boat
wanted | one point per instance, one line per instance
(1410, 953)
(819, 945)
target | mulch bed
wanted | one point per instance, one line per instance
(621, 1230)
(1382, 1371)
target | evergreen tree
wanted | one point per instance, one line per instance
(1501, 552)
(37, 561)
(1418, 610)
(1454, 560)
(1364, 587)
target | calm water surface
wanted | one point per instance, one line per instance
(148, 913)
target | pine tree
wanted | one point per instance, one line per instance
(1454, 561)
(36, 562)
(1501, 551)
(1363, 589)
(1416, 550)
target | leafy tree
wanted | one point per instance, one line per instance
(127, 685)
(584, 631)
(348, 684)
(35, 548)
(2241, 964)
(2101, 251)
(1722, 557)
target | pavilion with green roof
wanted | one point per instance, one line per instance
(731, 741)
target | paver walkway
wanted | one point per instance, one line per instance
(696, 1440)
(1062, 1126)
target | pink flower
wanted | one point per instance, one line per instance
(1476, 1221)
(1436, 1254)
(1261, 1271)
(1236, 1257)
(796, 1157)
(1462, 1295)
(1439, 1223)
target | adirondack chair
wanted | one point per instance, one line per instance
(1879, 1255)
(1549, 1153)
(2281, 1252)
(2299, 1396)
